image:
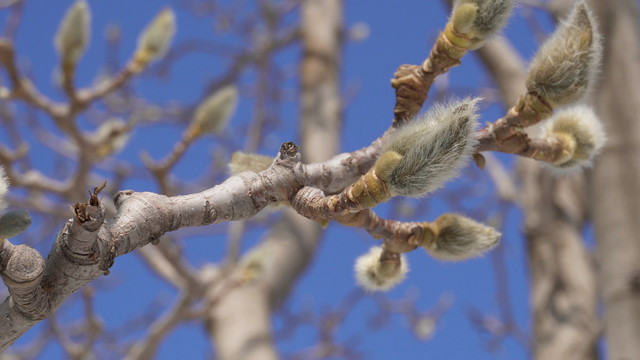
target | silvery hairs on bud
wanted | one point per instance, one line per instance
(567, 62)
(460, 238)
(369, 275)
(4, 186)
(491, 15)
(434, 146)
(583, 129)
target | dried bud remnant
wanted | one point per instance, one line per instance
(566, 63)
(581, 133)
(376, 274)
(73, 33)
(456, 237)
(433, 147)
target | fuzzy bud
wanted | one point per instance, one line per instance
(433, 146)
(567, 62)
(581, 132)
(4, 186)
(376, 274)
(73, 34)
(241, 162)
(112, 136)
(479, 19)
(456, 237)
(14, 223)
(213, 115)
(155, 39)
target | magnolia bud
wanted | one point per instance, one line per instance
(433, 146)
(4, 186)
(73, 34)
(241, 162)
(581, 133)
(215, 112)
(456, 237)
(155, 39)
(112, 136)
(566, 63)
(14, 223)
(374, 274)
(479, 19)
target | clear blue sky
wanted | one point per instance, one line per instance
(400, 32)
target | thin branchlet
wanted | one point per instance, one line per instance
(582, 134)
(567, 62)
(434, 146)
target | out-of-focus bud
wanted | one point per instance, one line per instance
(567, 62)
(477, 20)
(112, 136)
(241, 162)
(359, 32)
(455, 237)
(73, 34)
(433, 146)
(14, 223)
(215, 112)
(376, 274)
(155, 39)
(580, 131)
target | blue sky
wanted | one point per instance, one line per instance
(400, 32)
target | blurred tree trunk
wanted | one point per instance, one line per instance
(563, 282)
(616, 178)
(238, 333)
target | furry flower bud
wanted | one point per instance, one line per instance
(566, 63)
(241, 162)
(456, 237)
(479, 19)
(73, 34)
(373, 273)
(581, 133)
(4, 186)
(215, 112)
(433, 147)
(155, 39)
(14, 223)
